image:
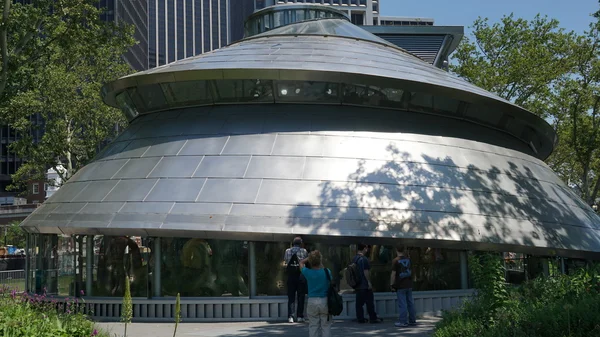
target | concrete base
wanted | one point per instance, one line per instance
(427, 303)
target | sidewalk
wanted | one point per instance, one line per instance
(269, 329)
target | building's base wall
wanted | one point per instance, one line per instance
(272, 308)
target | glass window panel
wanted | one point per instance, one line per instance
(124, 102)
(433, 268)
(445, 105)
(490, 115)
(307, 91)
(421, 102)
(196, 267)
(118, 257)
(187, 93)
(244, 90)
(279, 19)
(55, 271)
(372, 95)
(150, 97)
(515, 266)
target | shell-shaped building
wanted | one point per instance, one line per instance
(312, 126)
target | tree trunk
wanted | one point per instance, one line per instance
(4, 45)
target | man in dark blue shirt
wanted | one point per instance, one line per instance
(364, 291)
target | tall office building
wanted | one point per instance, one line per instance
(133, 12)
(360, 12)
(238, 15)
(184, 28)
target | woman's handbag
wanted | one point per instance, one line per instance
(335, 303)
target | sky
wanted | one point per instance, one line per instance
(573, 14)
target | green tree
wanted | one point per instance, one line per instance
(65, 63)
(12, 234)
(517, 59)
(575, 110)
(553, 73)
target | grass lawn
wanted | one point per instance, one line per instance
(63, 284)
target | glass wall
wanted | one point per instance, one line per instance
(117, 258)
(197, 267)
(54, 258)
(433, 268)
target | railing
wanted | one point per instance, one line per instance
(14, 279)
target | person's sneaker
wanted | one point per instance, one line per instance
(361, 321)
(300, 320)
(412, 323)
(400, 325)
(377, 320)
(291, 320)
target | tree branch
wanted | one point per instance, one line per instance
(25, 40)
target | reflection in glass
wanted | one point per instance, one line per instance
(187, 93)
(244, 90)
(307, 91)
(445, 105)
(421, 101)
(126, 105)
(117, 257)
(150, 97)
(198, 267)
(515, 266)
(373, 95)
(433, 268)
(55, 269)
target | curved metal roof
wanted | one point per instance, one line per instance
(336, 57)
(266, 172)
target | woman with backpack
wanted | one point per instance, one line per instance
(318, 278)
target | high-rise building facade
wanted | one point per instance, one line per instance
(184, 28)
(132, 12)
(238, 15)
(360, 12)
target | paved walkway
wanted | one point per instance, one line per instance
(269, 329)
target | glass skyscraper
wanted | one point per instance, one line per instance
(132, 12)
(184, 28)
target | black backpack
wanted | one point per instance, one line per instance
(352, 274)
(335, 303)
(293, 267)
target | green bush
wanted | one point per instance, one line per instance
(562, 306)
(22, 315)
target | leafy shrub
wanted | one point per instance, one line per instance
(562, 306)
(22, 315)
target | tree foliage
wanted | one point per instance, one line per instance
(12, 234)
(58, 53)
(515, 58)
(553, 73)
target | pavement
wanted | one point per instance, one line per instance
(269, 329)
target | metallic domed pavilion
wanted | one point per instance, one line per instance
(309, 126)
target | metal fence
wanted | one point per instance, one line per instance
(14, 279)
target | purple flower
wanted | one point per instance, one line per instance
(95, 332)
(82, 294)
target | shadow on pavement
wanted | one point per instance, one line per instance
(269, 329)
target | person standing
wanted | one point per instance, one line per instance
(401, 281)
(295, 286)
(364, 291)
(319, 320)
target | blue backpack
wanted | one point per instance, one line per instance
(404, 270)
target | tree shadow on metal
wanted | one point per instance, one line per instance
(514, 205)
